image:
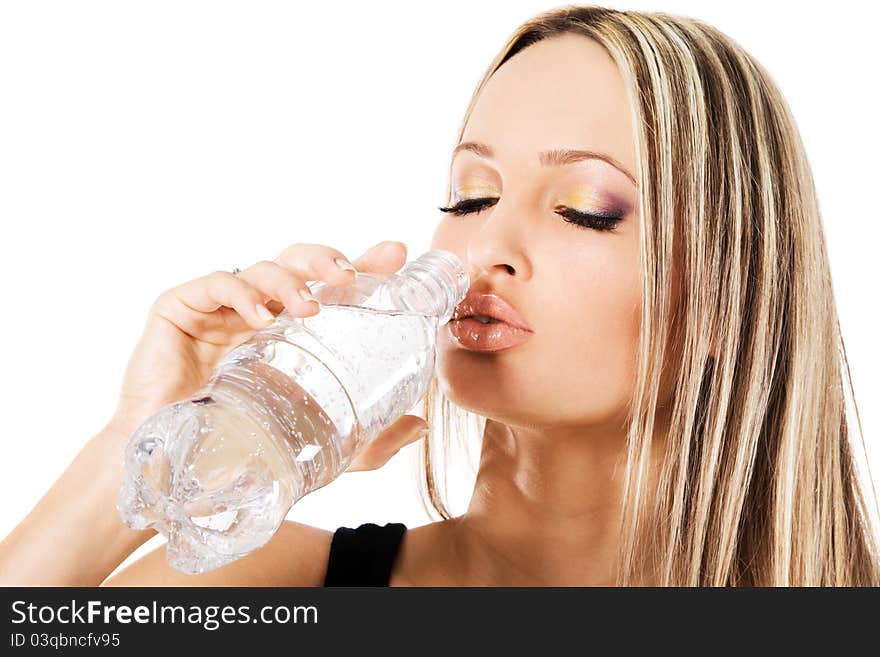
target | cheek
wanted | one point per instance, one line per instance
(580, 366)
(588, 347)
(592, 370)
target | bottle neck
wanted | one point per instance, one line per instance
(433, 284)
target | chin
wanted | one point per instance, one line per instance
(498, 386)
(481, 383)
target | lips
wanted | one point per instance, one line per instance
(490, 305)
(510, 329)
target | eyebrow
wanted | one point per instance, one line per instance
(550, 158)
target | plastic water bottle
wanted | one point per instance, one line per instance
(285, 412)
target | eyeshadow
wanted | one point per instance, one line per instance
(599, 203)
(473, 188)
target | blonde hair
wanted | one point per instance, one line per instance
(757, 484)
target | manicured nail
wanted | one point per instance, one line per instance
(345, 264)
(265, 313)
(423, 433)
(307, 296)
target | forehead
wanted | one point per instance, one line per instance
(562, 92)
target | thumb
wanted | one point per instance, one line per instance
(405, 430)
(382, 258)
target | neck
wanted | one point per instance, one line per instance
(546, 507)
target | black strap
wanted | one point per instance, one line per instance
(363, 556)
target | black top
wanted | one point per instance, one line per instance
(363, 556)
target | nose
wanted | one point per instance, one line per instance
(497, 248)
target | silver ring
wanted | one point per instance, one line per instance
(236, 271)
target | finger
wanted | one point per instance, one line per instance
(407, 429)
(278, 283)
(383, 258)
(208, 293)
(316, 262)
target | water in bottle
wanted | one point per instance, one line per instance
(285, 412)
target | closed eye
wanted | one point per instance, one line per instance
(470, 205)
(581, 219)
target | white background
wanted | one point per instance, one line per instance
(145, 144)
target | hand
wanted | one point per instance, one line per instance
(191, 327)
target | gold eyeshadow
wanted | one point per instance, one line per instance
(584, 200)
(474, 188)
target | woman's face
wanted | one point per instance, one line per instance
(578, 288)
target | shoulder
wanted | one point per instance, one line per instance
(295, 556)
(429, 556)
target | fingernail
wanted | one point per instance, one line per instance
(264, 313)
(345, 264)
(307, 296)
(422, 433)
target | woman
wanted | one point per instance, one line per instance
(631, 190)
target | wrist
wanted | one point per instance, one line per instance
(93, 480)
(104, 455)
(119, 429)
(74, 536)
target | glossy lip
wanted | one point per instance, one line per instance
(510, 330)
(473, 335)
(490, 305)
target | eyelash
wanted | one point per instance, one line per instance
(581, 219)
